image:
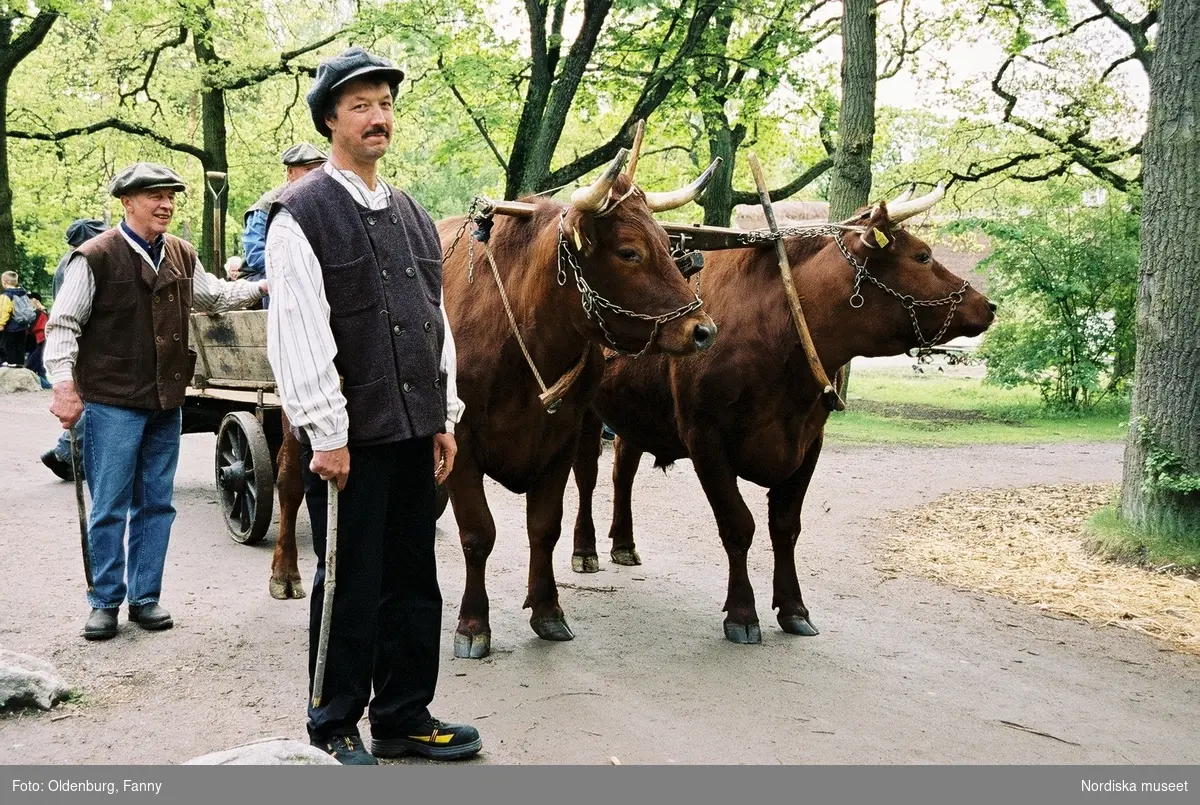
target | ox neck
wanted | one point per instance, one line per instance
(829, 287)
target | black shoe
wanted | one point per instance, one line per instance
(347, 750)
(150, 616)
(57, 466)
(101, 625)
(433, 739)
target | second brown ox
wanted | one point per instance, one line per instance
(750, 408)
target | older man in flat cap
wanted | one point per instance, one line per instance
(117, 347)
(299, 160)
(355, 267)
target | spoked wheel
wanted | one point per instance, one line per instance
(245, 481)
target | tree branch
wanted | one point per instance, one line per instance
(284, 64)
(112, 123)
(27, 41)
(794, 186)
(480, 123)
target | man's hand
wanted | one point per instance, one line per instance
(65, 404)
(444, 450)
(332, 465)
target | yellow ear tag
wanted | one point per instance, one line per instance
(578, 240)
(880, 238)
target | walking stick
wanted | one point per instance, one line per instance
(331, 531)
(77, 469)
(828, 393)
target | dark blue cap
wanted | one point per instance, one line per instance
(82, 230)
(349, 64)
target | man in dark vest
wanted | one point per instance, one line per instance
(299, 161)
(364, 361)
(117, 346)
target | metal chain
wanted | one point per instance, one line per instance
(753, 236)
(909, 303)
(592, 302)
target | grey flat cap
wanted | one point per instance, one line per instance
(82, 230)
(145, 176)
(302, 154)
(349, 64)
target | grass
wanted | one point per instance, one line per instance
(1110, 536)
(892, 407)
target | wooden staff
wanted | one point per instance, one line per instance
(829, 393)
(331, 532)
(218, 232)
(77, 469)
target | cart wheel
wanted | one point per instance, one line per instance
(245, 482)
(443, 497)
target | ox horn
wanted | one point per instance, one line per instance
(661, 202)
(592, 197)
(903, 197)
(907, 209)
(637, 150)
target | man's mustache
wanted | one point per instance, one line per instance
(371, 132)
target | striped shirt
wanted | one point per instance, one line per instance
(300, 341)
(73, 306)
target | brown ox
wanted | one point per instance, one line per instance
(607, 242)
(749, 408)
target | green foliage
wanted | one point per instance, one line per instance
(1164, 470)
(1111, 536)
(1065, 280)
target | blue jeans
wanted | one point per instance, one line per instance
(130, 456)
(63, 449)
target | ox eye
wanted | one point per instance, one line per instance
(629, 255)
(924, 257)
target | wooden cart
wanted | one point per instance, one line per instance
(233, 395)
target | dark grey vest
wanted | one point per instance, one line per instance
(382, 271)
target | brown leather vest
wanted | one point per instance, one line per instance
(134, 348)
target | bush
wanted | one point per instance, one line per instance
(1065, 281)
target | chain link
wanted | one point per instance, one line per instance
(910, 304)
(754, 236)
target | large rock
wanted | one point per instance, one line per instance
(267, 752)
(18, 380)
(26, 681)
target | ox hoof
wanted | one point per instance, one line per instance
(472, 647)
(743, 633)
(552, 628)
(626, 556)
(585, 564)
(283, 589)
(794, 624)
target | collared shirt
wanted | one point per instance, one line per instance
(151, 247)
(73, 304)
(300, 341)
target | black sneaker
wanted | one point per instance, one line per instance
(433, 739)
(347, 750)
(57, 466)
(101, 625)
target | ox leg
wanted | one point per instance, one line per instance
(477, 533)
(289, 484)
(543, 515)
(626, 461)
(587, 460)
(783, 506)
(735, 524)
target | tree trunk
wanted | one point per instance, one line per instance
(1165, 420)
(212, 120)
(11, 53)
(851, 182)
(718, 196)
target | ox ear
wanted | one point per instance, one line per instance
(579, 232)
(878, 229)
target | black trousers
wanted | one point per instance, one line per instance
(387, 606)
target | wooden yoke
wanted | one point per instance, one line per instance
(829, 393)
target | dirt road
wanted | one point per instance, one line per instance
(904, 671)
